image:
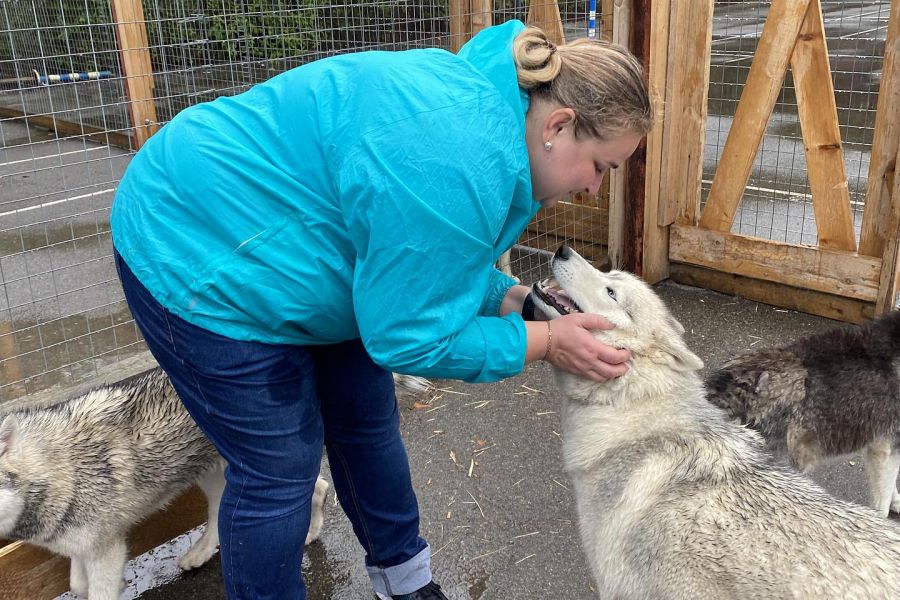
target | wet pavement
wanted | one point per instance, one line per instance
(496, 506)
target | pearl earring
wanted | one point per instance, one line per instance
(548, 146)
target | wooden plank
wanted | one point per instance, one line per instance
(889, 282)
(686, 106)
(821, 136)
(619, 25)
(482, 15)
(775, 294)
(545, 14)
(606, 19)
(764, 83)
(460, 24)
(64, 129)
(30, 572)
(134, 53)
(656, 239)
(830, 271)
(877, 216)
(636, 225)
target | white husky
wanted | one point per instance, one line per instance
(77, 475)
(674, 501)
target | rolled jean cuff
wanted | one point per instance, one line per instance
(404, 578)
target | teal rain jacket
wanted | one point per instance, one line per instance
(362, 196)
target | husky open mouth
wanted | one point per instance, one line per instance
(552, 294)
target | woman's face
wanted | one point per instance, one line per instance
(571, 164)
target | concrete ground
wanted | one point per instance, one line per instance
(496, 506)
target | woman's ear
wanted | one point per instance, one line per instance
(557, 120)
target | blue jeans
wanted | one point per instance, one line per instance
(268, 409)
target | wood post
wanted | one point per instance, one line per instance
(134, 52)
(616, 26)
(468, 17)
(545, 14)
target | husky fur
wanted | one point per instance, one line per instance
(675, 500)
(77, 475)
(824, 396)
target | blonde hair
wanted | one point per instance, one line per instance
(602, 82)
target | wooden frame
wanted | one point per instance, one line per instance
(866, 282)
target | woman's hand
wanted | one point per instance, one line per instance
(571, 346)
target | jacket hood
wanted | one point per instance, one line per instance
(490, 53)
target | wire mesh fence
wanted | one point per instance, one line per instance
(777, 203)
(66, 138)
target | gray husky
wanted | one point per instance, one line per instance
(77, 475)
(823, 396)
(676, 501)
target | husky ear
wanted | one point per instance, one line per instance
(674, 352)
(676, 324)
(9, 434)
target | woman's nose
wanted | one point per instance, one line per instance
(595, 185)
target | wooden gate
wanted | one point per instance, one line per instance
(835, 278)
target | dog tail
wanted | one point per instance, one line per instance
(410, 386)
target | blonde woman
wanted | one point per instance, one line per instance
(285, 249)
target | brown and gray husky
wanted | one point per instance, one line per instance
(824, 396)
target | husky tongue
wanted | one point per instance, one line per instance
(555, 296)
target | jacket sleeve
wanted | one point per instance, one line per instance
(423, 212)
(499, 285)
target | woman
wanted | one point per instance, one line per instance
(285, 249)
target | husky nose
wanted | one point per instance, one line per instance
(564, 253)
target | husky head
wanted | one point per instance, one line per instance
(643, 323)
(11, 502)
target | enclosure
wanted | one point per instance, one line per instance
(769, 175)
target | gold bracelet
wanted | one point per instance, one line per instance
(549, 342)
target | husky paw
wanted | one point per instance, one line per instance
(317, 520)
(77, 578)
(202, 550)
(895, 505)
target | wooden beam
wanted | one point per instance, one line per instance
(545, 14)
(834, 272)
(37, 574)
(821, 136)
(63, 129)
(134, 53)
(764, 83)
(889, 282)
(606, 19)
(636, 225)
(460, 24)
(482, 14)
(655, 238)
(686, 106)
(877, 215)
(618, 24)
(775, 294)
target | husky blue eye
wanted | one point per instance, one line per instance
(611, 292)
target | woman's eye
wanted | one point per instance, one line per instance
(611, 292)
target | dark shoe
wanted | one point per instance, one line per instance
(432, 591)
